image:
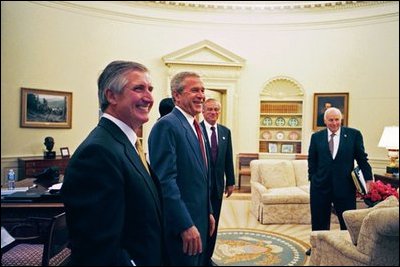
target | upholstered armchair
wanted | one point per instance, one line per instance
(372, 238)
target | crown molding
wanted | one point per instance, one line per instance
(278, 14)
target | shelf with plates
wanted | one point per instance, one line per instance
(280, 128)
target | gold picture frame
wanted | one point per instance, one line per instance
(324, 100)
(287, 148)
(45, 108)
(64, 152)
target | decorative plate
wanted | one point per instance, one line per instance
(280, 135)
(293, 122)
(280, 121)
(293, 136)
(267, 121)
(266, 135)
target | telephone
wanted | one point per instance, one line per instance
(48, 177)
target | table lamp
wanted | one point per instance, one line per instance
(390, 141)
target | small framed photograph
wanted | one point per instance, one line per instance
(323, 101)
(64, 152)
(287, 148)
(45, 108)
(273, 148)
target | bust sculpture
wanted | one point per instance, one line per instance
(49, 143)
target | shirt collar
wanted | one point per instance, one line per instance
(188, 117)
(208, 126)
(128, 131)
(337, 132)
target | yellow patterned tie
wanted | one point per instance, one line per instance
(139, 149)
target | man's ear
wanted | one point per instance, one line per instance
(110, 96)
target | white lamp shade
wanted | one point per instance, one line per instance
(390, 137)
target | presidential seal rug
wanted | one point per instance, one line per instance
(246, 247)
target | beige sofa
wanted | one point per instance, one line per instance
(280, 191)
(372, 238)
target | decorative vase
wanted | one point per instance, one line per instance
(370, 203)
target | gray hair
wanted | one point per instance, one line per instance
(113, 78)
(332, 110)
(177, 84)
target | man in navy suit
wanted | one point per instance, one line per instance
(218, 138)
(113, 204)
(330, 171)
(179, 157)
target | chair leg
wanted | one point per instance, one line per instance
(239, 179)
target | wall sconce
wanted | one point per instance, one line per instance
(390, 141)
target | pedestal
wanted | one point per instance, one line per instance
(49, 155)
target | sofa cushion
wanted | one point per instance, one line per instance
(292, 195)
(301, 172)
(354, 218)
(276, 175)
(305, 188)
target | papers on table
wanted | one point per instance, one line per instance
(55, 186)
(5, 192)
(6, 238)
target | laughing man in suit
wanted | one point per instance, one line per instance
(221, 165)
(330, 173)
(113, 204)
(177, 158)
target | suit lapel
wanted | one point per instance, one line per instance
(325, 143)
(342, 142)
(221, 142)
(131, 154)
(191, 137)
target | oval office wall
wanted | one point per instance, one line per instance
(56, 46)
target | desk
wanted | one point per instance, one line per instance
(32, 166)
(387, 179)
(14, 213)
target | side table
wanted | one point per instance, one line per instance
(387, 178)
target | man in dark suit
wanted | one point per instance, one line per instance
(331, 158)
(218, 138)
(179, 157)
(112, 199)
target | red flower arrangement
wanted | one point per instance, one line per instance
(378, 191)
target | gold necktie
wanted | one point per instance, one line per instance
(139, 149)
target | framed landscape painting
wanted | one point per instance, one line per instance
(322, 101)
(45, 108)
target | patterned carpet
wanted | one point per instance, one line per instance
(250, 247)
(235, 214)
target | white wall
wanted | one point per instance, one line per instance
(47, 47)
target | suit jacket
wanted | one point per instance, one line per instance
(326, 173)
(224, 163)
(176, 158)
(113, 206)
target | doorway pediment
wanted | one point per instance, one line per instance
(204, 53)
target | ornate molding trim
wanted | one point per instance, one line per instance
(204, 53)
(314, 14)
(282, 86)
(251, 6)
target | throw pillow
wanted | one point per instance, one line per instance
(354, 218)
(301, 172)
(275, 175)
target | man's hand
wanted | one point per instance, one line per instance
(212, 224)
(191, 241)
(229, 190)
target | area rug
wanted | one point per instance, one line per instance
(251, 247)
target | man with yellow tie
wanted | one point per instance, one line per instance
(113, 205)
